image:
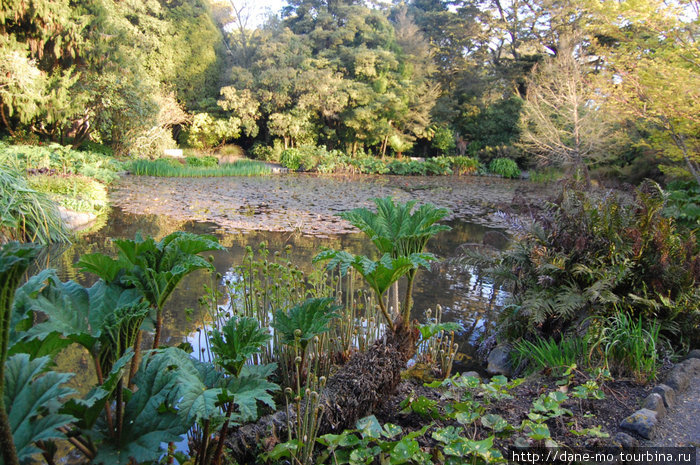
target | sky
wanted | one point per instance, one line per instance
(262, 6)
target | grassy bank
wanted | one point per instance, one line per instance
(39, 178)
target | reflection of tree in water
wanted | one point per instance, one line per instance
(464, 295)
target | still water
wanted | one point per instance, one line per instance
(464, 296)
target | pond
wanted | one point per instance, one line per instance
(298, 211)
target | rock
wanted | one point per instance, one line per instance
(495, 239)
(499, 362)
(625, 441)
(695, 353)
(667, 394)
(472, 373)
(655, 402)
(641, 422)
(75, 221)
(680, 376)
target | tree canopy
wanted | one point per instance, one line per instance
(376, 77)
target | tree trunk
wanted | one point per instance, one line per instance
(350, 394)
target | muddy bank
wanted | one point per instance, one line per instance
(307, 203)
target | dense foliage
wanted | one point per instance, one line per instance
(606, 267)
(575, 86)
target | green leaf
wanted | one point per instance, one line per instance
(446, 435)
(369, 427)
(431, 329)
(394, 228)
(494, 422)
(284, 449)
(101, 265)
(404, 451)
(156, 268)
(32, 400)
(238, 340)
(391, 430)
(150, 417)
(251, 387)
(310, 318)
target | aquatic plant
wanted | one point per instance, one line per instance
(168, 168)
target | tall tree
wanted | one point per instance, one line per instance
(562, 119)
(652, 68)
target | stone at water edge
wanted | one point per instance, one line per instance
(499, 362)
(681, 375)
(695, 353)
(75, 221)
(626, 441)
(642, 422)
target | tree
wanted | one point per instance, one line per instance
(562, 120)
(653, 74)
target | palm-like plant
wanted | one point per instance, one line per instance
(400, 234)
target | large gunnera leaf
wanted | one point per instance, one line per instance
(33, 398)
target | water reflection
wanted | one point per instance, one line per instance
(464, 295)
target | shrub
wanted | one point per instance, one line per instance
(260, 151)
(60, 159)
(207, 131)
(588, 257)
(298, 159)
(504, 167)
(95, 147)
(464, 165)
(444, 140)
(208, 161)
(684, 203)
(439, 166)
(370, 165)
